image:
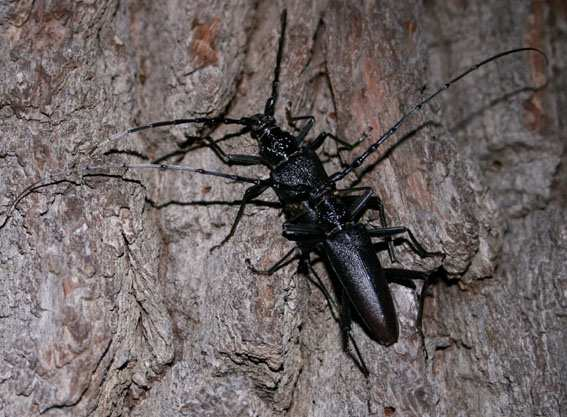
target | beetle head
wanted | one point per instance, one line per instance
(258, 123)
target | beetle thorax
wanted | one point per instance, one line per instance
(276, 145)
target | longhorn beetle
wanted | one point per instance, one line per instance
(320, 218)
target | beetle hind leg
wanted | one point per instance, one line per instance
(343, 317)
(345, 322)
(405, 278)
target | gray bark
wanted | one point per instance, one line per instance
(113, 305)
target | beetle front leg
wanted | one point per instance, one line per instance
(230, 159)
(292, 119)
(306, 127)
(319, 140)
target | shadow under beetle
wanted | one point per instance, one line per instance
(321, 219)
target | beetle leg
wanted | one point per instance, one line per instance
(428, 280)
(346, 322)
(233, 159)
(302, 232)
(192, 144)
(404, 277)
(306, 127)
(412, 242)
(292, 119)
(344, 318)
(207, 121)
(345, 145)
(249, 194)
(284, 261)
(368, 200)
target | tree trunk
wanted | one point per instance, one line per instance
(113, 303)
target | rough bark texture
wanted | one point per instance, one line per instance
(111, 303)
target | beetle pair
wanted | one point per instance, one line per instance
(320, 218)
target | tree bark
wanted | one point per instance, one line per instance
(112, 302)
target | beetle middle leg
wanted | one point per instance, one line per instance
(367, 201)
(413, 243)
(249, 195)
(235, 159)
(284, 261)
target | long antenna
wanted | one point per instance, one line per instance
(208, 121)
(270, 108)
(94, 170)
(337, 176)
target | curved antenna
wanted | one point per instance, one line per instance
(208, 121)
(270, 108)
(93, 170)
(337, 176)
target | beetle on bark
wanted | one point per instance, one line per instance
(321, 218)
